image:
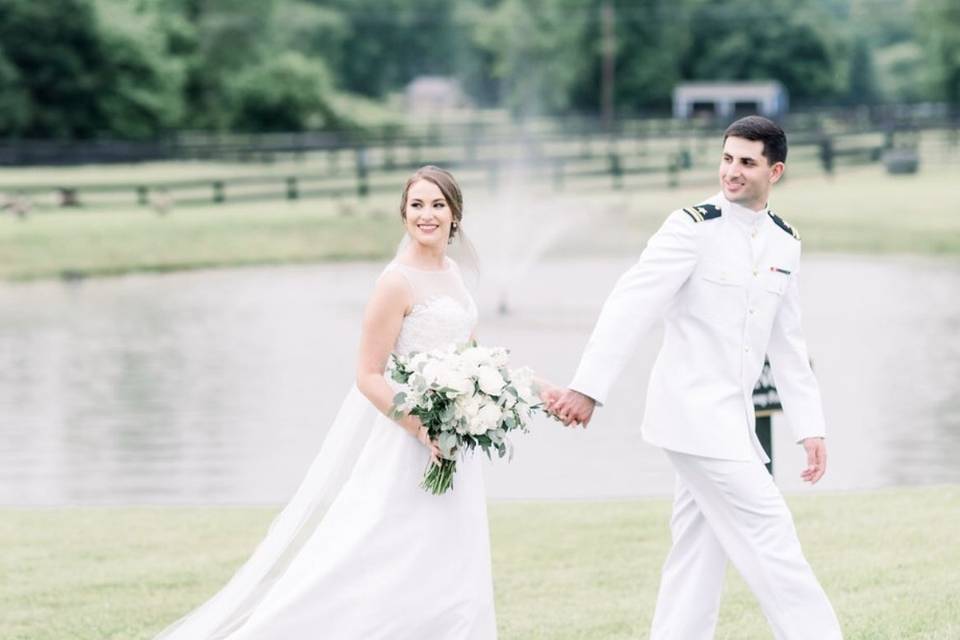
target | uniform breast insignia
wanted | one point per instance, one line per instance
(702, 212)
(783, 225)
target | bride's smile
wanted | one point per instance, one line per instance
(427, 215)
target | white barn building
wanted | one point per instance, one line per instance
(727, 100)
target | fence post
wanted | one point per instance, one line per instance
(142, 199)
(363, 188)
(616, 171)
(826, 154)
(889, 138)
(388, 149)
(218, 192)
(292, 192)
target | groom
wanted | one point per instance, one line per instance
(724, 277)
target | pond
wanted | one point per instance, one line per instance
(216, 387)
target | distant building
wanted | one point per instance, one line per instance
(434, 93)
(728, 100)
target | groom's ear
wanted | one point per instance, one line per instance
(776, 172)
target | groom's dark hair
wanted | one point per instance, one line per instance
(767, 131)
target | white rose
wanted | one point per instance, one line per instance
(475, 357)
(431, 371)
(487, 420)
(490, 380)
(468, 408)
(455, 379)
(476, 428)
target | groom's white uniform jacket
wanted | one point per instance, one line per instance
(725, 280)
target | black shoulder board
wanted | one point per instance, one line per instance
(783, 225)
(702, 212)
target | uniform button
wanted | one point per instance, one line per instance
(754, 234)
(747, 349)
(751, 311)
(755, 272)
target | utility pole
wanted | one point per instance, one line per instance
(608, 47)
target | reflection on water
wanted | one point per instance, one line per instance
(217, 386)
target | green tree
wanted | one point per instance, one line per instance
(145, 94)
(288, 92)
(939, 26)
(862, 79)
(391, 42)
(57, 62)
(792, 41)
(315, 31)
(535, 52)
(81, 76)
(650, 40)
(902, 73)
(214, 40)
(14, 100)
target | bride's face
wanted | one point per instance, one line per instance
(428, 216)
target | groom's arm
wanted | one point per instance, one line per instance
(795, 382)
(790, 365)
(639, 298)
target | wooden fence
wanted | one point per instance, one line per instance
(476, 132)
(604, 161)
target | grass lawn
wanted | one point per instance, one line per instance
(588, 570)
(861, 210)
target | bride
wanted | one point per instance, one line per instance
(361, 551)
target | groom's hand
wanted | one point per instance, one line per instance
(816, 459)
(573, 407)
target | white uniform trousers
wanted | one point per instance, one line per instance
(732, 509)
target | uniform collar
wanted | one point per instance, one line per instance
(740, 213)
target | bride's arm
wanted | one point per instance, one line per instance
(382, 320)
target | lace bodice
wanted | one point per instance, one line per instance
(443, 311)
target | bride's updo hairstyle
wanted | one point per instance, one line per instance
(448, 186)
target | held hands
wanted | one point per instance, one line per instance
(571, 407)
(816, 459)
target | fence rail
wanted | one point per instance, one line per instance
(362, 170)
(473, 135)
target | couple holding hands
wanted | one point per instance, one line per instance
(361, 552)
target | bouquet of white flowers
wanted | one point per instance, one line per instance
(466, 397)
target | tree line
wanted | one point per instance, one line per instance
(138, 69)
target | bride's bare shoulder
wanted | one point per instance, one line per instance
(392, 289)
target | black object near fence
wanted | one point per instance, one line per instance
(766, 402)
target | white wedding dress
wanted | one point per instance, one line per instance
(362, 552)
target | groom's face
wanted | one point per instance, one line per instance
(746, 175)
